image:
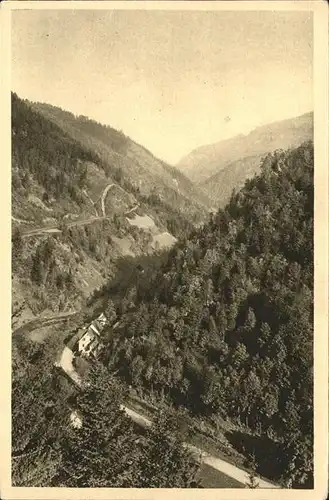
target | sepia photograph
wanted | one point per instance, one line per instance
(162, 246)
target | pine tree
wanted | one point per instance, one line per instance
(110, 312)
(252, 477)
(38, 416)
(101, 452)
(37, 268)
(17, 242)
(165, 461)
(252, 480)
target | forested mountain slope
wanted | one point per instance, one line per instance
(220, 186)
(107, 450)
(140, 167)
(219, 168)
(96, 196)
(225, 327)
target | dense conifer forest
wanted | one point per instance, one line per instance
(106, 451)
(56, 175)
(225, 327)
(218, 327)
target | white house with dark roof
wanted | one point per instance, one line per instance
(90, 342)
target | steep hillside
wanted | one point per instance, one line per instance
(82, 197)
(219, 187)
(225, 326)
(140, 167)
(203, 163)
(220, 325)
(63, 437)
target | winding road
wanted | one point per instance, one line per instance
(67, 356)
(56, 230)
(132, 209)
(42, 322)
(106, 190)
(230, 470)
(216, 463)
(104, 194)
(66, 364)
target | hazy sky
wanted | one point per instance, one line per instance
(170, 80)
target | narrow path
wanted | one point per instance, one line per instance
(85, 222)
(104, 194)
(219, 464)
(66, 363)
(227, 468)
(41, 322)
(21, 221)
(132, 209)
(56, 230)
(38, 232)
(216, 463)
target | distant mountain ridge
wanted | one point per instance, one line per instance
(204, 164)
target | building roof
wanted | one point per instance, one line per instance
(96, 326)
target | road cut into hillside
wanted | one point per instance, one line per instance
(55, 230)
(230, 470)
(66, 363)
(104, 194)
(226, 468)
(41, 322)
